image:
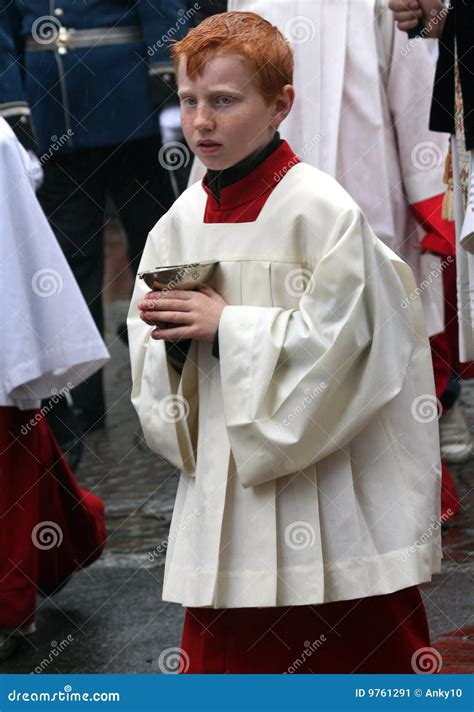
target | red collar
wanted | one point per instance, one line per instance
(243, 200)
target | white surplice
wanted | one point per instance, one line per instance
(48, 338)
(309, 452)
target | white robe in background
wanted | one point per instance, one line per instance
(361, 114)
(309, 452)
(464, 215)
(48, 338)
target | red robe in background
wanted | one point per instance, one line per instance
(440, 240)
(50, 526)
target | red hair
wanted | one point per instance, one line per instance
(244, 33)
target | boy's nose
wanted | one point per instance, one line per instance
(204, 119)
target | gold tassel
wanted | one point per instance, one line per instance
(448, 199)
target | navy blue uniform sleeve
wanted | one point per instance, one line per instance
(163, 22)
(13, 105)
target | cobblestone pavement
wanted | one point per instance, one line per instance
(113, 612)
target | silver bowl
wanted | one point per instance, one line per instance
(187, 276)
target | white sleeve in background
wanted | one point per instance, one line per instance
(409, 83)
(48, 338)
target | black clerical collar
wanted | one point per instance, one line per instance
(216, 180)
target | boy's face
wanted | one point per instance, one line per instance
(224, 116)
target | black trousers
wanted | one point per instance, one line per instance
(73, 196)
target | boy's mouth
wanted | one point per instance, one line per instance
(208, 146)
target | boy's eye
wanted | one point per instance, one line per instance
(187, 100)
(224, 100)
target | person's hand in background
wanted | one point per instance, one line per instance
(407, 14)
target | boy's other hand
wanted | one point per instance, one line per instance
(187, 314)
(407, 14)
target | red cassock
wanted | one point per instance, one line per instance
(50, 526)
(377, 634)
(440, 240)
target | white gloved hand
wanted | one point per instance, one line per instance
(34, 170)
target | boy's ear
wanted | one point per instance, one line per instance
(283, 104)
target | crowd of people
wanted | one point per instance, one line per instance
(333, 186)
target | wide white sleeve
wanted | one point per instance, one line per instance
(300, 384)
(166, 401)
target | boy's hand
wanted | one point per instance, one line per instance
(188, 314)
(407, 14)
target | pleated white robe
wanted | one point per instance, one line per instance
(309, 463)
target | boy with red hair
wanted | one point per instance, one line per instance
(309, 469)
